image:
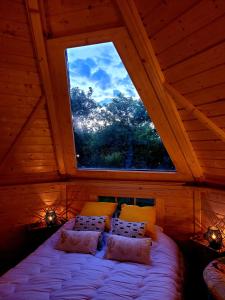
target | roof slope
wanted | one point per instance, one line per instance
(183, 63)
(188, 40)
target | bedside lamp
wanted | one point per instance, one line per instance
(50, 217)
(214, 237)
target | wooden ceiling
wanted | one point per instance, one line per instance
(187, 42)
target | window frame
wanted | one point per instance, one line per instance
(119, 36)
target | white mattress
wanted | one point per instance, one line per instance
(49, 274)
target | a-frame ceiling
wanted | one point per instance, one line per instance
(180, 44)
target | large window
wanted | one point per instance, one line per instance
(112, 129)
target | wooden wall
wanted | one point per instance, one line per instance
(213, 209)
(21, 205)
(181, 210)
(174, 203)
(188, 39)
(71, 17)
(26, 148)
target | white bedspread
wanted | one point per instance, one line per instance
(49, 274)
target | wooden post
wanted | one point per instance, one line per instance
(40, 48)
(195, 112)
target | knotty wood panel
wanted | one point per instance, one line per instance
(193, 45)
(204, 61)
(189, 24)
(22, 159)
(166, 12)
(20, 90)
(200, 81)
(70, 17)
(206, 95)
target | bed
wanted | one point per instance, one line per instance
(49, 274)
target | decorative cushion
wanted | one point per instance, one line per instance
(130, 229)
(78, 241)
(134, 213)
(92, 223)
(128, 249)
(99, 209)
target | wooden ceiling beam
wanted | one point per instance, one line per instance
(180, 99)
(34, 16)
(181, 143)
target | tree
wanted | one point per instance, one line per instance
(119, 134)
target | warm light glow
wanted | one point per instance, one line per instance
(50, 218)
(213, 236)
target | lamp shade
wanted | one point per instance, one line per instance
(50, 217)
(214, 237)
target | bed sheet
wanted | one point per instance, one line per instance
(50, 274)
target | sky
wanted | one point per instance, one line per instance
(99, 66)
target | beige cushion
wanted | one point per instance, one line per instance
(128, 249)
(78, 241)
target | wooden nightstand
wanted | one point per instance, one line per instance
(203, 252)
(197, 255)
(37, 233)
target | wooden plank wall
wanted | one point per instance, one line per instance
(20, 90)
(213, 209)
(174, 203)
(188, 38)
(21, 205)
(70, 17)
(181, 210)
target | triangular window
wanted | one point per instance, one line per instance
(112, 129)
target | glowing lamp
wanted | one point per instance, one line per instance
(214, 237)
(50, 217)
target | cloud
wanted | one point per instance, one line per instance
(116, 93)
(82, 67)
(131, 92)
(119, 65)
(101, 79)
(126, 81)
(104, 60)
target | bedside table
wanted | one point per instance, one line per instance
(203, 252)
(37, 233)
(197, 256)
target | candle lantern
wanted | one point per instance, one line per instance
(214, 237)
(50, 217)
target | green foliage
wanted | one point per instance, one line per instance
(117, 135)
